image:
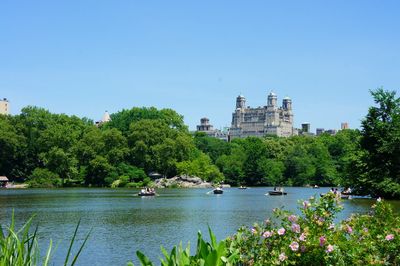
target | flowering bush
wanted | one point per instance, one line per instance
(308, 239)
(313, 239)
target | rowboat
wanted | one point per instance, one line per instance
(276, 193)
(218, 191)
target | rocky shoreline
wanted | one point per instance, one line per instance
(182, 182)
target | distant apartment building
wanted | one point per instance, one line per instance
(320, 131)
(306, 128)
(4, 107)
(209, 130)
(344, 125)
(263, 120)
(331, 132)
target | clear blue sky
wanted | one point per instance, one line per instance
(84, 57)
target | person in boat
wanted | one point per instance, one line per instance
(347, 191)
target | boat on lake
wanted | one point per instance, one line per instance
(278, 191)
(147, 192)
(218, 190)
(242, 187)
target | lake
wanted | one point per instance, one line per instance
(123, 223)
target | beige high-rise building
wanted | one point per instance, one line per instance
(4, 107)
(344, 125)
(264, 120)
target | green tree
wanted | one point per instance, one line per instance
(122, 120)
(42, 177)
(11, 144)
(212, 146)
(273, 171)
(202, 167)
(97, 171)
(377, 171)
(60, 162)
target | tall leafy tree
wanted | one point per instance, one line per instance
(377, 171)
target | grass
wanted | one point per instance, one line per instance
(19, 247)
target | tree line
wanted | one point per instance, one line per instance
(46, 149)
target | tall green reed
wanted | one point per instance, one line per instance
(19, 247)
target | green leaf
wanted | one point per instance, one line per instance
(144, 261)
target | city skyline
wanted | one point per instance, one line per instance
(82, 58)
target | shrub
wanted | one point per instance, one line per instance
(311, 238)
(314, 239)
(42, 177)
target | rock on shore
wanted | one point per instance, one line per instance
(182, 182)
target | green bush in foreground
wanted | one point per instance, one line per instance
(311, 238)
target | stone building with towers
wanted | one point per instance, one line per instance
(264, 120)
(4, 107)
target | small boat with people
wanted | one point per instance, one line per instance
(242, 187)
(218, 190)
(147, 192)
(346, 191)
(315, 187)
(278, 191)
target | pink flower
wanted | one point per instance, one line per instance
(296, 228)
(281, 231)
(292, 218)
(253, 231)
(306, 204)
(302, 237)
(329, 248)
(282, 256)
(389, 237)
(331, 226)
(365, 229)
(294, 246)
(349, 229)
(267, 234)
(322, 241)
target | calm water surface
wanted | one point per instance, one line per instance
(124, 223)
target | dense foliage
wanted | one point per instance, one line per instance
(48, 150)
(376, 168)
(312, 238)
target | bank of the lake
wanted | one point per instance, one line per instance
(123, 222)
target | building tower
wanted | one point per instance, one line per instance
(287, 104)
(205, 125)
(344, 125)
(272, 100)
(106, 117)
(240, 102)
(4, 107)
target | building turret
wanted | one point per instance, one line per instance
(272, 100)
(205, 125)
(240, 102)
(106, 117)
(4, 107)
(287, 104)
